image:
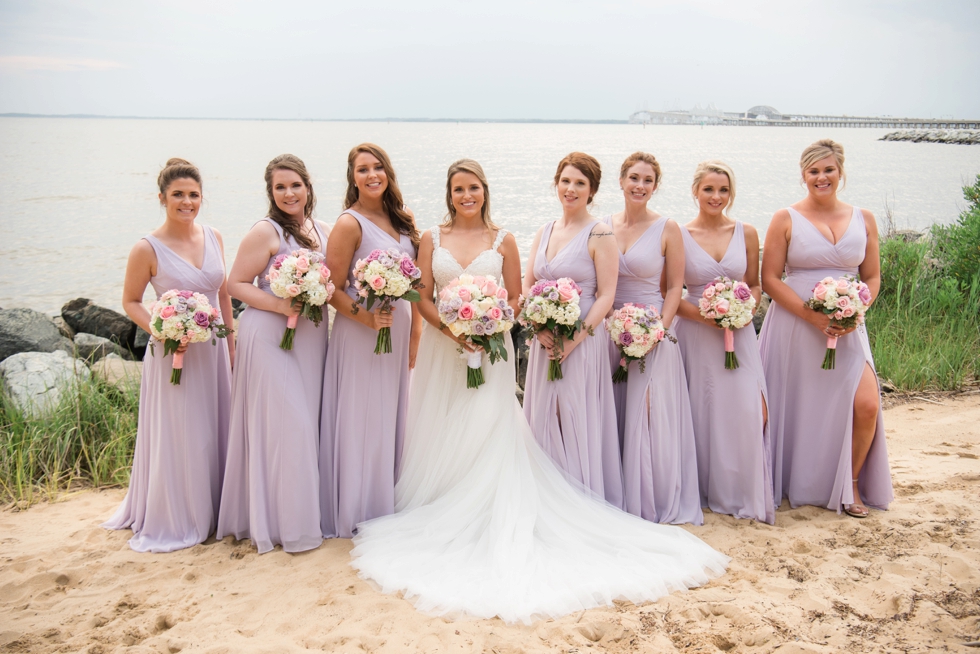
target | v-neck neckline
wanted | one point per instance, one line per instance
(370, 222)
(204, 259)
(707, 254)
(639, 238)
(551, 233)
(829, 242)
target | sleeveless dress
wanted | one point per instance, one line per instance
(574, 418)
(271, 484)
(810, 409)
(175, 484)
(365, 403)
(656, 433)
(733, 450)
(487, 525)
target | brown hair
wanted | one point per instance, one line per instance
(585, 164)
(474, 168)
(177, 168)
(295, 164)
(394, 206)
(719, 167)
(821, 150)
(636, 158)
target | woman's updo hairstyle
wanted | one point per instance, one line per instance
(821, 150)
(585, 164)
(295, 164)
(177, 168)
(636, 158)
(719, 167)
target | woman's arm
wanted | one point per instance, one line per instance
(259, 245)
(545, 337)
(672, 280)
(344, 240)
(752, 262)
(511, 271)
(224, 303)
(870, 268)
(140, 267)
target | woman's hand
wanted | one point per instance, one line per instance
(288, 308)
(381, 318)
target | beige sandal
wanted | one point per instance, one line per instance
(856, 510)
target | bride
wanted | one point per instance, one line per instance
(485, 524)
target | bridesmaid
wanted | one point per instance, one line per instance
(180, 438)
(574, 418)
(271, 481)
(728, 406)
(828, 437)
(365, 395)
(655, 428)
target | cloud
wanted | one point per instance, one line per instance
(22, 63)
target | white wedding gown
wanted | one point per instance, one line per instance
(486, 525)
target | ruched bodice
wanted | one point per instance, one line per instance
(572, 261)
(640, 268)
(287, 244)
(374, 238)
(700, 268)
(445, 268)
(810, 256)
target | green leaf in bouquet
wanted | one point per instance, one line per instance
(412, 296)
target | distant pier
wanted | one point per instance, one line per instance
(765, 116)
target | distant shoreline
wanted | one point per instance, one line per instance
(572, 121)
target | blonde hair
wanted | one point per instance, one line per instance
(474, 168)
(719, 167)
(645, 157)
(821, 150)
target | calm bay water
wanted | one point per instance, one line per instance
(75, 194)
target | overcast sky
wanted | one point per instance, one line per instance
(567, 59)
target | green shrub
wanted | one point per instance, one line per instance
(87, 440)
(957, 246)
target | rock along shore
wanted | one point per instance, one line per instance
(954, 136)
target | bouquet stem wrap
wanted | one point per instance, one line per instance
(383, 344)
(474, 369)
(178, 367)
(554, 365)
(731, 361)
(287, 338)
(830, 356)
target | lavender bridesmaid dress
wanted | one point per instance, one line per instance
(175, 483)
(810, 409)
(574, 418)
(733, 451)
(365, 404)
(660, 468)
(271, 481)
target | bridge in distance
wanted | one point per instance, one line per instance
(762, 115)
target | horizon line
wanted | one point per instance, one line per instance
(612, 121)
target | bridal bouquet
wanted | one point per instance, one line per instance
(303, 278)
(386, 276)
(475, 307)
(845, 300)
(634, 329)
(553, 305)
(182, 317)
(729, 304)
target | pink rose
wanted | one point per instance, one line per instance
(842, 285)
(302, 264)
(722, 307)
(848, 312)
(742, 292)
(377, 282)
(565, 291)
(214, 312)
(658, 335)
(720, 287)
(501, 293)
(864, 294)
(324, 273)
(167, 312)
(466, 312)
(273, 275)
(622, 363)
(186, 294)
(293, 290)
(407, 267)
(494, 313)
(479, 280)
(843, 302)
(489, 288)
(709, 292)
(185, 339)
(820, 292)
(465, 295)
(628, 324)
(363, 292)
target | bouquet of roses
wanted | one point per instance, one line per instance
(729, 304)
(182, 317)
(303, 278)
(845, 300)
(386, 276)
(553, 305)
(635, 329)
(475, 307)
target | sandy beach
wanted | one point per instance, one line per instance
(906, 580)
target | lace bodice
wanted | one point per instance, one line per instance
(445, 268)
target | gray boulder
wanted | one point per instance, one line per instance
(760, 313)
(118, 371)
(519, 335)
(26, 330)
(36, 381)
(83, 315)
(92, 348)
(140, 342)
(63, 327)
